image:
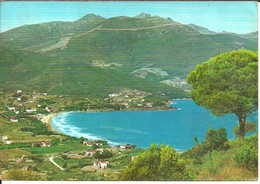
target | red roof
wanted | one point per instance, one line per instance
(40, 143)
(128, 146)
(87, 141)
(103, 161)
(12, 118)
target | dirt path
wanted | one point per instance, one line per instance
(62, 43)
(52, 161)
(133, 29)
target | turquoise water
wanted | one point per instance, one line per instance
(175, 127)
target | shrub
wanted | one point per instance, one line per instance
(64, 157)
(247, 158)
(156, 164)
(215, 140)
(55, 141)
(64, 165)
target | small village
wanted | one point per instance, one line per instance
(38, 105)
(22, 117)
(63, 154)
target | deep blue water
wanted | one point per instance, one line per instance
(175, 127)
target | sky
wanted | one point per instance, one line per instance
(237, 17)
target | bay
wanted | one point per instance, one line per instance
(174, 127)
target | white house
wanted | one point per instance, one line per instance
(47, 109)
(9, 142)
(43, 144)
(99, 144)
(13, 119)
(19, 99)
(113, 95)
(125, 146)
(17, 112)
(30, 110)
(87, 143)
(101, 164)
(44, 94)
(149, 105)
(19, 91)
(4, 138)
(106, 99)
(11, 108)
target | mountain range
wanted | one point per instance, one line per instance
(98, 55)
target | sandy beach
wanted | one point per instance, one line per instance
(47, 121)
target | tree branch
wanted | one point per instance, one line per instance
(253, 110)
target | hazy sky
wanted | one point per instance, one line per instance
(238, 17)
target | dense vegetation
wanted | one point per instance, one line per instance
(63, 77)
(156, 163)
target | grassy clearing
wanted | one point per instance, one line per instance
(15, 146)
(222, 166)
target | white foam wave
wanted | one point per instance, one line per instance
(61, 124)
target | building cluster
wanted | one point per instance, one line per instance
(43, 144)
(102, 164)
(5, 140)
(28, 104)
(129, 98)
(177, 82)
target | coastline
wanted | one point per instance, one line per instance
(47, 121)
(47, 118)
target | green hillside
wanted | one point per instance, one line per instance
(176, 49)
(29, 71)
(76, 57)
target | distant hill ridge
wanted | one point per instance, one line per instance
(67, 53)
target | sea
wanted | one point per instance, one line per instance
(142, 128)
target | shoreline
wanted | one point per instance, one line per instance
(47, 121)
(47, 118)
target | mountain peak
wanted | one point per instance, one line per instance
(143, 16)
(90, 17)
